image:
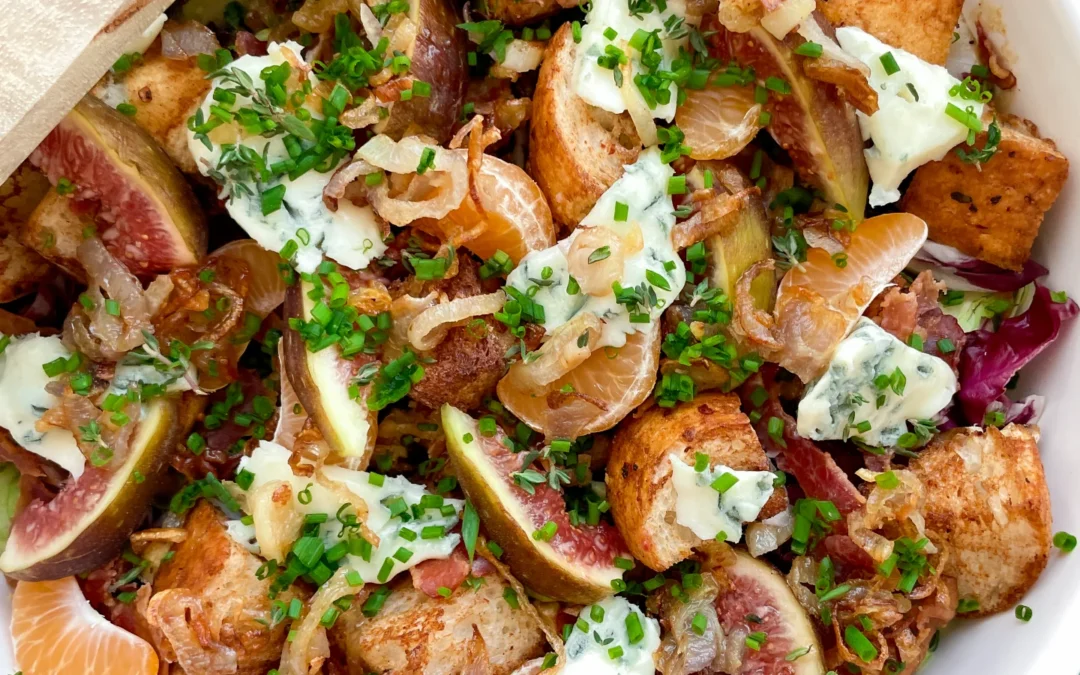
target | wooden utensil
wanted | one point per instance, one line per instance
(51, 53)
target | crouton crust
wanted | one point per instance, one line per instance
(415, 634)
(165, 93)
(987, 499)
(575, 156)
(55, 230)
(221, 573)
(21, 270)
(922, 27)
(639, 473)
(994, 213)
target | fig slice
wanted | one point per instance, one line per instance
(89, 521)
(756, 590)
(321, 380)
(147, 214)
(437, 56)
(576, 564)
(813, 123)
(747, 241)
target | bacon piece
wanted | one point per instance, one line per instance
(247, 43)
(915, 309)
(816, 471)
(431, 575)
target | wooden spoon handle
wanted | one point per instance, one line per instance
(52, 52)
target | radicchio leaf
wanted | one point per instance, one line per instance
(991, 358)
(961, 272)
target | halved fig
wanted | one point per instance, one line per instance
(813, 123)
(748, 241)
(89, 521)
(165, 93)
(21, 270)
(571, 564)
(321, 380)
(754, 589)
(146, 213)
(580, 150)
(437, 56)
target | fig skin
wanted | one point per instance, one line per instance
(437, 57)
(299, 373)
(814, 124)
(136, 155)
(105, 537)
(533, 562)
(575, 156)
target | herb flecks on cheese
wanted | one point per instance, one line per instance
(874, 385)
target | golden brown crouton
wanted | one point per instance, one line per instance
(579, 150)
(639, 473)
(20, 268)
(165, 93)
(992, 211)
(922, 27)
(987, 500)
(416, 634)
(210, 584)
(55, 230)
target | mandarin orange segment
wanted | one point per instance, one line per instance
(512, 214)
(880, 248)
(55, 630)
(604, 389)
(718, 121)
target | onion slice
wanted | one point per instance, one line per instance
(429, 328)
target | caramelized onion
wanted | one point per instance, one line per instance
(317, 16)
(563, 352)
(639, 112)
(184, 634)
(99, 334)
(403, 311)
(434, 194)
(429, 327)
(277, 523)
(309, 648)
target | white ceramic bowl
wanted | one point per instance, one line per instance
(1044, 36)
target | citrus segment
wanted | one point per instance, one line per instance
(592, 397)
(511, 214)
(55, 630)
(880, 248)
(821, 299)
(718, 121)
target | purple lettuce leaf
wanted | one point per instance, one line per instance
(950, 265)
(991, 358)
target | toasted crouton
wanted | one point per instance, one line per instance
(922, 27)
(165, 93)
(20, 269)
(639, 472)
(517, 12)
(991, 211)
(578, 150)
(416, 634)
(986, 497)
(55, 230)
(217, 575)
